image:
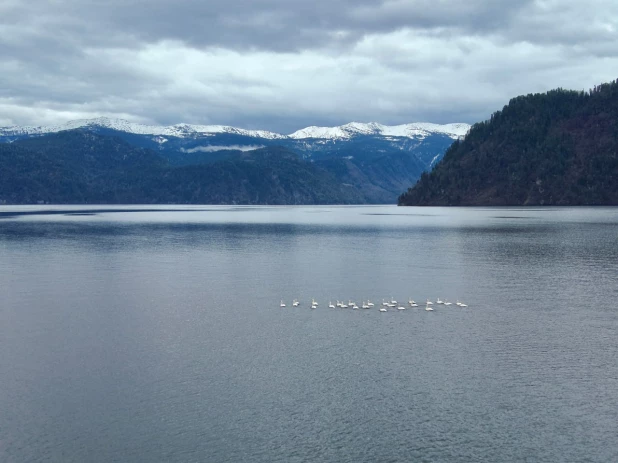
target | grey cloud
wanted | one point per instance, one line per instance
(282, 65)
(284, 25)
(472, 16)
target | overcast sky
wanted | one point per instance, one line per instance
(284, 64)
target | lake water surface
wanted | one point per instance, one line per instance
(150, 334)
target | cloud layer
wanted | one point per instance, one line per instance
(281, 65)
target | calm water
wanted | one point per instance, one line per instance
(156, 334)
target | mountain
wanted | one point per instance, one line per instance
(378, 160)
(178, 130)
(418, 130)
(422, 129)
(82, 167)
(554, 148)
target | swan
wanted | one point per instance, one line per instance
(411, 301)
(339, 304)
(313, 302)
(330, 305)
(354, 306)
(439, 301)
(461, 304)
(414, 304)
(384, 303)
(401, 308)
(429, 309)
(393, 301)
(382, 309)
(295, 303)
(365, 305)
(391, 305)
(458, 303)
(343, 306)
(448, 303)
(282, 304)
(369, 303)
(429, 302)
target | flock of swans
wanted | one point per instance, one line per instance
(392, 303)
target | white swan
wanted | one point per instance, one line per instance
(401, 308)
(393, 301)
(313, 302)
(295, 303)
(365, 305)
(343, 306)
(439, 301)
(384, 303)
(429, 302)
(330, 305)
(461, 304)
(282, 304)
(354, 306)
(382, 309)
(428, 309)
(448, 303)
(411, 301)
(369, 303)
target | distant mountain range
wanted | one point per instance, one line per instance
(375, 161)
(415, 131)
(554, 148)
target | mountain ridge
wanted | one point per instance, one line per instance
(182, 130)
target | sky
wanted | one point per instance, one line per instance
(282, 65)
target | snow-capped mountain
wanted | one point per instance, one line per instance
(121, 125)
(417, 130)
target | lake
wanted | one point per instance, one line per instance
(154, 333)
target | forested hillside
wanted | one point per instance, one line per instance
(82, 167)
(554, 148)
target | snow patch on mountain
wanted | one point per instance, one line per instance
(320, 132)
